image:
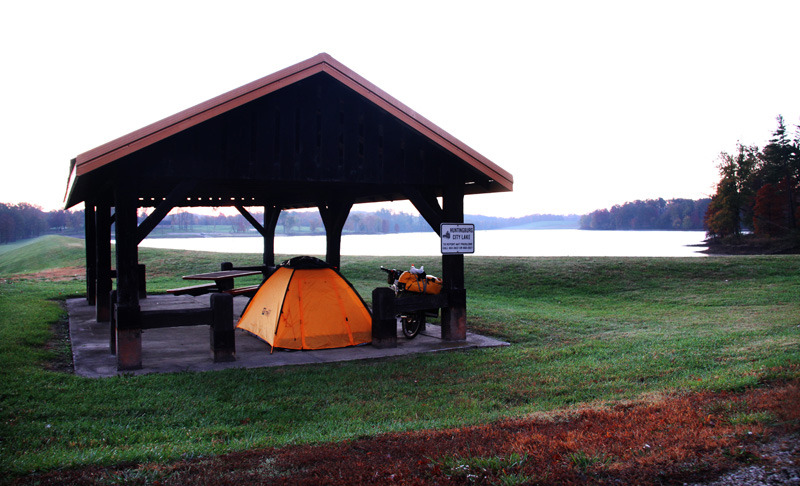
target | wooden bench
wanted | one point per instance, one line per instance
(219, 315)
(249, 291)
(194, 290)
(386, 305)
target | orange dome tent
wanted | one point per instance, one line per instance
(306, 304)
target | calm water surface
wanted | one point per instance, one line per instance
(487, 243)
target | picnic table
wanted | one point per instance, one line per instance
(223, 281)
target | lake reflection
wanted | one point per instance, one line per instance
(487, 243)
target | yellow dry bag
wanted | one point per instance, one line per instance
(425, 284)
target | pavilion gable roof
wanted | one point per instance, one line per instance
(142, 138)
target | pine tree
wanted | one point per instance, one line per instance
(780, 164)
(731, 206)
(723, 214)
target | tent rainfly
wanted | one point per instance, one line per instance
(306, 304)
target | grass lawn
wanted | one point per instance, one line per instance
(584, 332)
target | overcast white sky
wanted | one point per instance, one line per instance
(587, 103)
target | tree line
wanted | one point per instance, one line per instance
(377, 222)
(293, 222)
(759, 189)
(650, 214)
(23, 221)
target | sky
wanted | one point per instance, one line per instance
(586, 103)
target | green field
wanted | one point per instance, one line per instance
(583, 331)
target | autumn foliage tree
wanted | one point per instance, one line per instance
(769, 211)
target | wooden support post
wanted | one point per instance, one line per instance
(223, 338)
(427, 205)
(334, 215)
(129, 348)
(142, 279)
(454, 316)
(102, 244)
(112, 325)
(173, 198)
(267, 231)
(384, 320)
(128, 319)
(91, 253)
(271, 214)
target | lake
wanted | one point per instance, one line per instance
(565, 242)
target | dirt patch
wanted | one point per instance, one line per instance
(680, 439)
(53, 274)
(61, 346)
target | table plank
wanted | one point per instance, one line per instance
(222, 274)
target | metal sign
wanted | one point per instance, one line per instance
(457, 238)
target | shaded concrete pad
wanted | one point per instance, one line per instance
(188, 348)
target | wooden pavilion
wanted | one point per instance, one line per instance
(315, 134)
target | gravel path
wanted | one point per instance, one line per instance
(784, 468)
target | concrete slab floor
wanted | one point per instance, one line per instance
(179, 349)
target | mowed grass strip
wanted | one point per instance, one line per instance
(583, 332)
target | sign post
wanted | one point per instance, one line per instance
(457, 238)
